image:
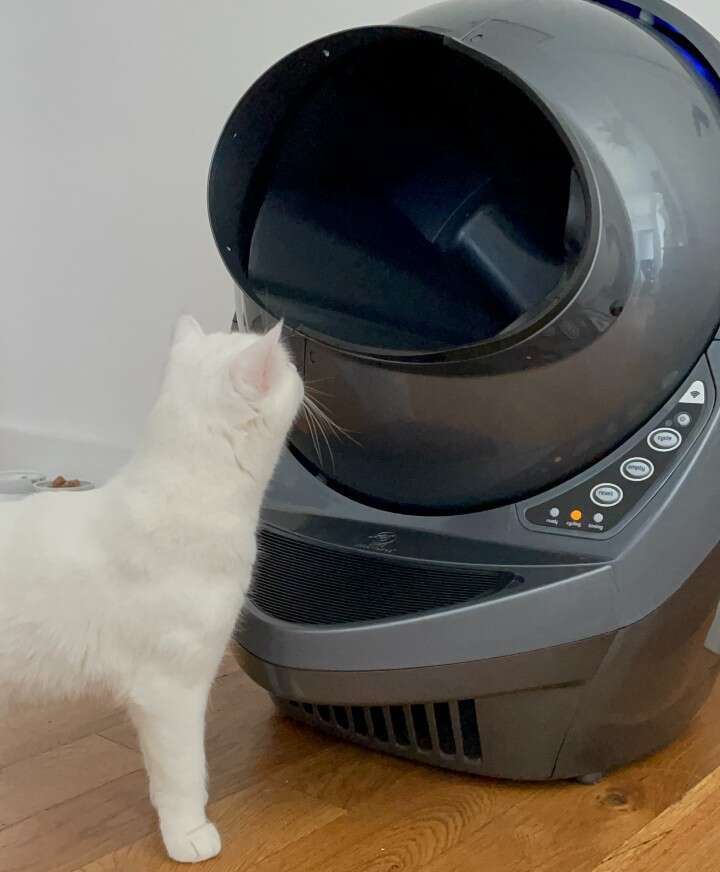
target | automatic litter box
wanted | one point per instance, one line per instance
(493, 231)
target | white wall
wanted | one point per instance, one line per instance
(109, 112)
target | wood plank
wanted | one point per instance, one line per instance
(33, 731)
(79, 830)
(255, 823)
(684, 838)
(37, 783)
(343, 775)
(239, 754)
(418, 816)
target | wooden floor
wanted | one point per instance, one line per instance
(73, 798)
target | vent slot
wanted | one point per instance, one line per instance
(444, 727)
(399, 725)
(338, 586)
(469, 728)
(359, 722)
(341, 717)
(421, 727)
(377, 717)
(445, 733)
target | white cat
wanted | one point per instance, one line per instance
(135, 587)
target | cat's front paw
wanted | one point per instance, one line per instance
(193, 846)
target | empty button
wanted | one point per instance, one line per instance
(664, 439)
(637, 469)
(694, 394)
(606, 494)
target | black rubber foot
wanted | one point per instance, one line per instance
(592, 778)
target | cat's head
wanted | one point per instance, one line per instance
(243, 385)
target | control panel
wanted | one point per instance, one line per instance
(615, 489)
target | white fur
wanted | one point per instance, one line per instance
(135, 587)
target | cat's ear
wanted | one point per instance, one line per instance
(186, 327)
(256, 366)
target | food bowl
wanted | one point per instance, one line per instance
(48, 485)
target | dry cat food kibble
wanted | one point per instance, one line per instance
(60, 481)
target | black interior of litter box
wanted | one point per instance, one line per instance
(417, 199)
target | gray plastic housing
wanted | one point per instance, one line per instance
(565, 712)
(603, 655)
(575, 588)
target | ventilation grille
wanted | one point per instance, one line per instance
(442, 733)
(309, 583)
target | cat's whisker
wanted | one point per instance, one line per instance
(317, 402)
(324, 434)
(320, 426)
(316, 391)
(311, 430)
(320, 410)
(316, 440)
(318, 436)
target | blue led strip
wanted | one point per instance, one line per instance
(680, 44)
(621, 6)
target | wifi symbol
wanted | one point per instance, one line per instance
(694, 394)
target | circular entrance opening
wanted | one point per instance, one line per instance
(414, 200)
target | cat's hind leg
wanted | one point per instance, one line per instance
(170, 720)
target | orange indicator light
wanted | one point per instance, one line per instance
(576, 515)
